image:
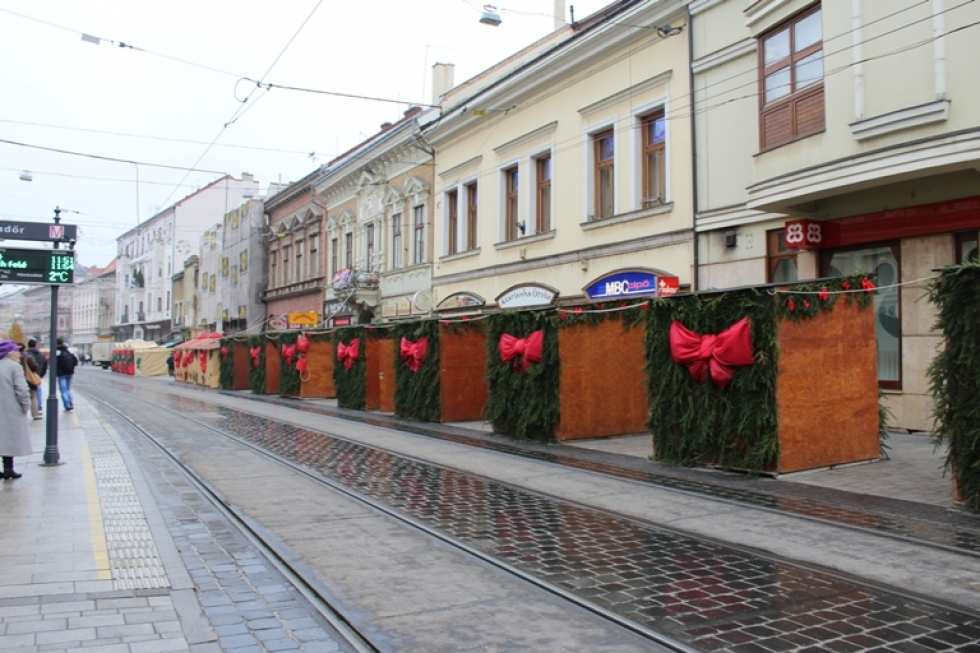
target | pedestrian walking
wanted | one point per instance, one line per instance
(65, 369)
(42, 369)
(15, 403)
(34, 381)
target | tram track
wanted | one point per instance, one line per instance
(309, 587)
(653, 635)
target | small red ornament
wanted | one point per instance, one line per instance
(846, 285)
(254, 352)
(824, 294)
(224, 352)
(791, 305)
(303, 344)
(806, 304)
(578, 310)
(868, 284)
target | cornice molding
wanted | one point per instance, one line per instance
(726, 54)
(893, 121)
(503, 148)
(459, 168)
(626, 93)
(698, 6)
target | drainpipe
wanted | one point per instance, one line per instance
(695, 285)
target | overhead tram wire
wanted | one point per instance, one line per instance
(112, 159)
(239, 111)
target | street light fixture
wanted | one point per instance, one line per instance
(490, 16)
(26, 175)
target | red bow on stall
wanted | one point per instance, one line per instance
(303, 344)
(255, 352)
(348, 354)
(289, 353)
(714, 354)
(414, 353)
(302, 365)
(203, 359)
(224, 352)
(521, 352)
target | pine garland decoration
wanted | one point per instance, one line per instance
(227, 370)
(256, 375)
(523, 405)
(289, 380)
(350, 383)
(417, 393)
(631, 317)
(694, 423)
(802, 304)
(954, 376)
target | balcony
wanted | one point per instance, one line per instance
(293, 289)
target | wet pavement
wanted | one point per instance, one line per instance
(905, 519)
(709, 595)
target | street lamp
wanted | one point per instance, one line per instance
(490, 16)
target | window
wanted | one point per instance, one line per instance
(966, 247)
(452, 229)
(883, 262)
(418, 219)
(654, 130)
(243, 261)
(168, 301)
(349, 250)
(314, 262)
(396, 241)
(369, 246)
(780, 259)
(334, 255)
(300, 272)
(604, 153)
(286, 272)
(511, 191)
(273, 279)
(159, 304)
(791, 80)
(542, 217)
(472, 205)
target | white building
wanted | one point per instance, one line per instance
(152, 252)
(92, 309)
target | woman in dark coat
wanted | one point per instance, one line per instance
(15, 404)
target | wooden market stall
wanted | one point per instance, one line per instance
(379, 385)
(198, 361)
(462, 373)
(273, 363)
(241, 364)
(151, 361)
(318, 381)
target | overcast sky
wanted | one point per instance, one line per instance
(372, 47)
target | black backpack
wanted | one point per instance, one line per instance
(66, 362)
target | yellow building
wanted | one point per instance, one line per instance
(568, 162)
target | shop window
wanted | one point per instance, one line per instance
(604, 154)
(791, 80)
(967, 250)
(542, 217)
(884, 263)
(452, 232)
(780, 259)
(654, 135)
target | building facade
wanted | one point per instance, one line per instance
(569, 167)
(379, 228)
(295, 260)
(149, 255)
(93, 308)
(243, 268)
(185, 290)
(857, 151)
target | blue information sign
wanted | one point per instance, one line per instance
(625, 283)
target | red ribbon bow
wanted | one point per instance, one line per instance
(224, 352)
(348, 354)
(302, 365)
(289, 353)
(414, 353)
(303, 344)
(254, 352)
(521, 352)
(203, 359)
(714, 354)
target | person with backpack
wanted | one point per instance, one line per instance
(41, 363)
(65, 369)
(33, 380)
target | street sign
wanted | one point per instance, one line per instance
(41, 266)
(38, 231)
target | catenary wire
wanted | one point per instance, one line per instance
(112, 159)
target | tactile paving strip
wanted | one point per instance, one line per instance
(134, 561)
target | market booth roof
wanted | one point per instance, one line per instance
(204, 341)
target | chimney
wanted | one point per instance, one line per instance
(442, 80)
(385, 126)
(559, 14)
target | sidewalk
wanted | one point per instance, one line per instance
(89, 560)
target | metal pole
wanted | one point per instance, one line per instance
(51, 454)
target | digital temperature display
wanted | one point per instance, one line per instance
(38, 266)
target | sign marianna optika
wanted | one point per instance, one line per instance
(40, 266)
(526, 294)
